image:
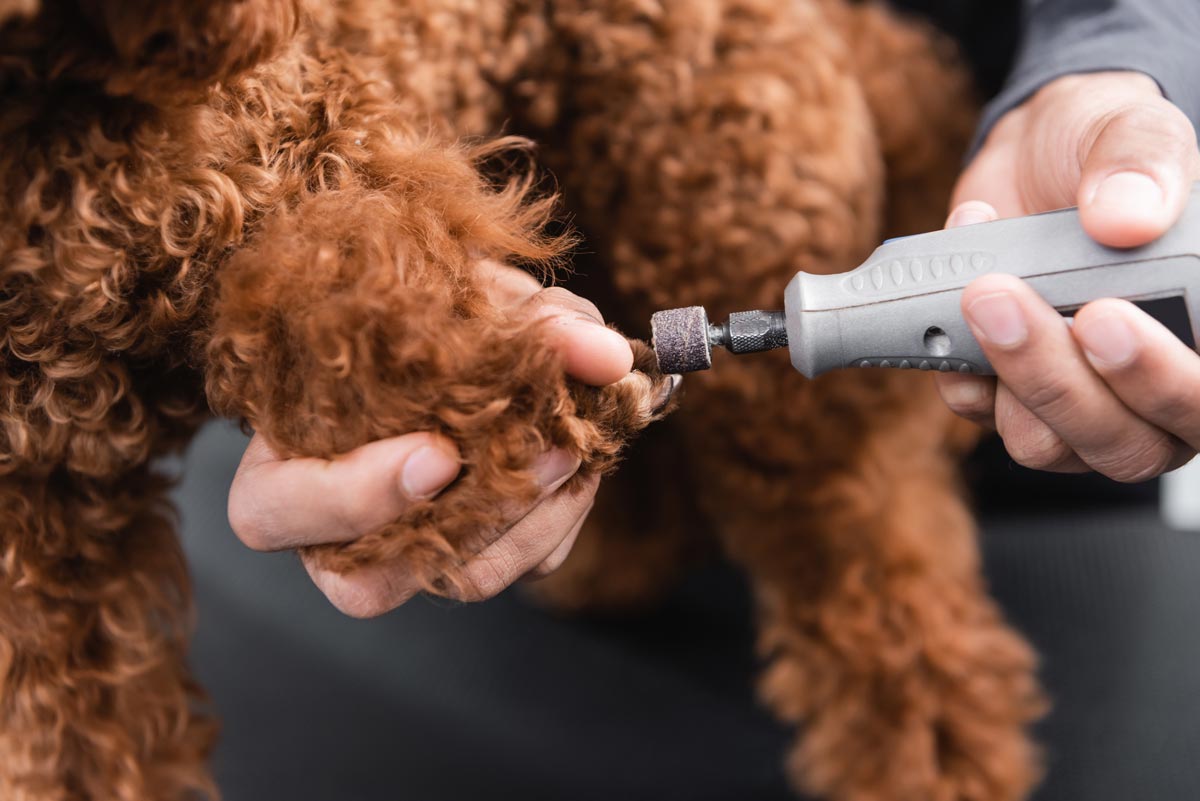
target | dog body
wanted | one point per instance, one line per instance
(274, 209)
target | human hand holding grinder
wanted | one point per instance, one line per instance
(901, 308)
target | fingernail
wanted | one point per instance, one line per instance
(1107, 340)
(999, 318)
(1129, 190)
(554, 467)
(968, 214)
(427, 472)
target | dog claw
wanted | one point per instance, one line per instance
(669, 391)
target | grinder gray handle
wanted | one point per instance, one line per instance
(901, 307)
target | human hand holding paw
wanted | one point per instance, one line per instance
(312, 504)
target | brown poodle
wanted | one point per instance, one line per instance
(274, 209)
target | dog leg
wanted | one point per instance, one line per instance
(716, 150)
(356, 316)
(708, 162)
(713, 149)
(881, 641)
(96, 701)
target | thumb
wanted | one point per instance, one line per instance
(1137, 174)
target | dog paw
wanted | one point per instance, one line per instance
(953, 727)
(607, 419)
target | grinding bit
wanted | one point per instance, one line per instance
(680, 340)
(683, 338)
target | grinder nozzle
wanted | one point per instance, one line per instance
(683, 338)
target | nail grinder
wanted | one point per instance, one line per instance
(901, 308)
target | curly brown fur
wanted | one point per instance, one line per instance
(273, 208)
(713, 160)
(96, 700)
(263, 198)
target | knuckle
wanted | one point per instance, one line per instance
(1037, 447)
(564, 298)
(1162, 121)
(482, 585)
(349, 518)
(1050, 395)
(1176, 123)
(1136, 117)
(1149, 117)
(1173, 402)
(487, 577)
(1143, 461)
(354, 601)
(247, 522)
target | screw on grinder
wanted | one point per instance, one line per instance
(683, 338)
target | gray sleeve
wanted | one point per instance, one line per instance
(1160, 38)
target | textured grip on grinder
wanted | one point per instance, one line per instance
(680, 340)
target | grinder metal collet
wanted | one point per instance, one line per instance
(683, 338)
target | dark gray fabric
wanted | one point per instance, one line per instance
(1062, 37)
(986, 31)
(438, 702)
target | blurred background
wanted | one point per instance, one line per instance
(442, 702)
